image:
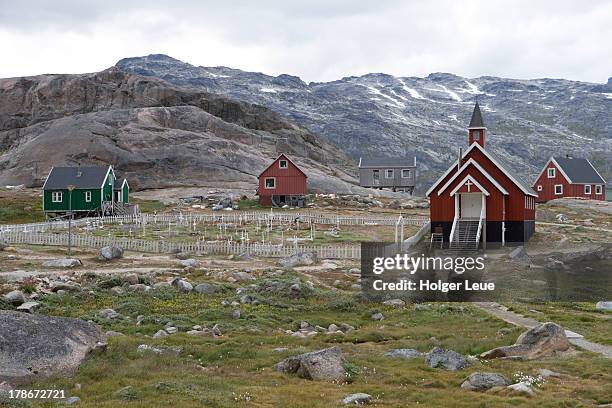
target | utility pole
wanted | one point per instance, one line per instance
(70, 189)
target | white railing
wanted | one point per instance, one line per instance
(482, 216)
(452, 233)
(196, 247)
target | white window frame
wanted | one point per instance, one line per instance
(561, 192)
(476, 135)
(551, 172)
(587, 187)
(280, 164)
(266, 183)
(88, 196)
(391, 172)
(55, 195)
(539, 187)
(407, 171)
(598, 189)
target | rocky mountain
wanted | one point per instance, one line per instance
(157, 134)
(379, 114)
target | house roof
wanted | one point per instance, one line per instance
(119, 183)
(499, 162)
(516, 177)
(476, 121)
(377, 162)
(90, 177)
(282, 155)
(579, 171)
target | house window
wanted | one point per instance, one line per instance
(476, 134)
(88, 196)
(57, 197)
(270, 182)
(283, 164)
(558, 189)
(587, 189)
(405, 173)
(539, 187)
(389, 173)
(552, 173)
(598, 190)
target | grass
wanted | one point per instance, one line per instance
(235, 370)
(17, 207)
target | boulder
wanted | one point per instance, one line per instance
(403, 353)
(139, 287)
(56, 286)
(359, 398)
(182, 285)
(190, 263)
(378, 316)
(160, 333)
(481, 381)
(108, 253)
(62, 263)
(28, 307)
(242, 276)
(43, 346)
(15, 297)
(544, 340)
(522, 388)
(299, 259)
(604, 305)
(326, 364)
(394, 303)
(446, 359)
(117, 291)
(131, 278)
(109, 314)
(207, 288)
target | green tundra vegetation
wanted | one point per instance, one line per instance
(235, 369)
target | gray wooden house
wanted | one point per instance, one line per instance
(397, 174)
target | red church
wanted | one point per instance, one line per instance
(282, 183)
(478, 200)
(569, 177)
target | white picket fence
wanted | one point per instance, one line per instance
(158, 246)
(237, 217)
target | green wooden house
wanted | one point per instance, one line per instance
(96, 190)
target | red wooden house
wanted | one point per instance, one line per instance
(478, 200)
(569, 177)
(282, 183)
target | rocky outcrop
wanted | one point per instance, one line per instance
(326, 364)
(545, 340)
(34, 347)
(150, 131)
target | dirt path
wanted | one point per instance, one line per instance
(502, 312)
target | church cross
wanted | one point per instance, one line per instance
(469, 185)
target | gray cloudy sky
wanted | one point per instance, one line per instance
(319, 40)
